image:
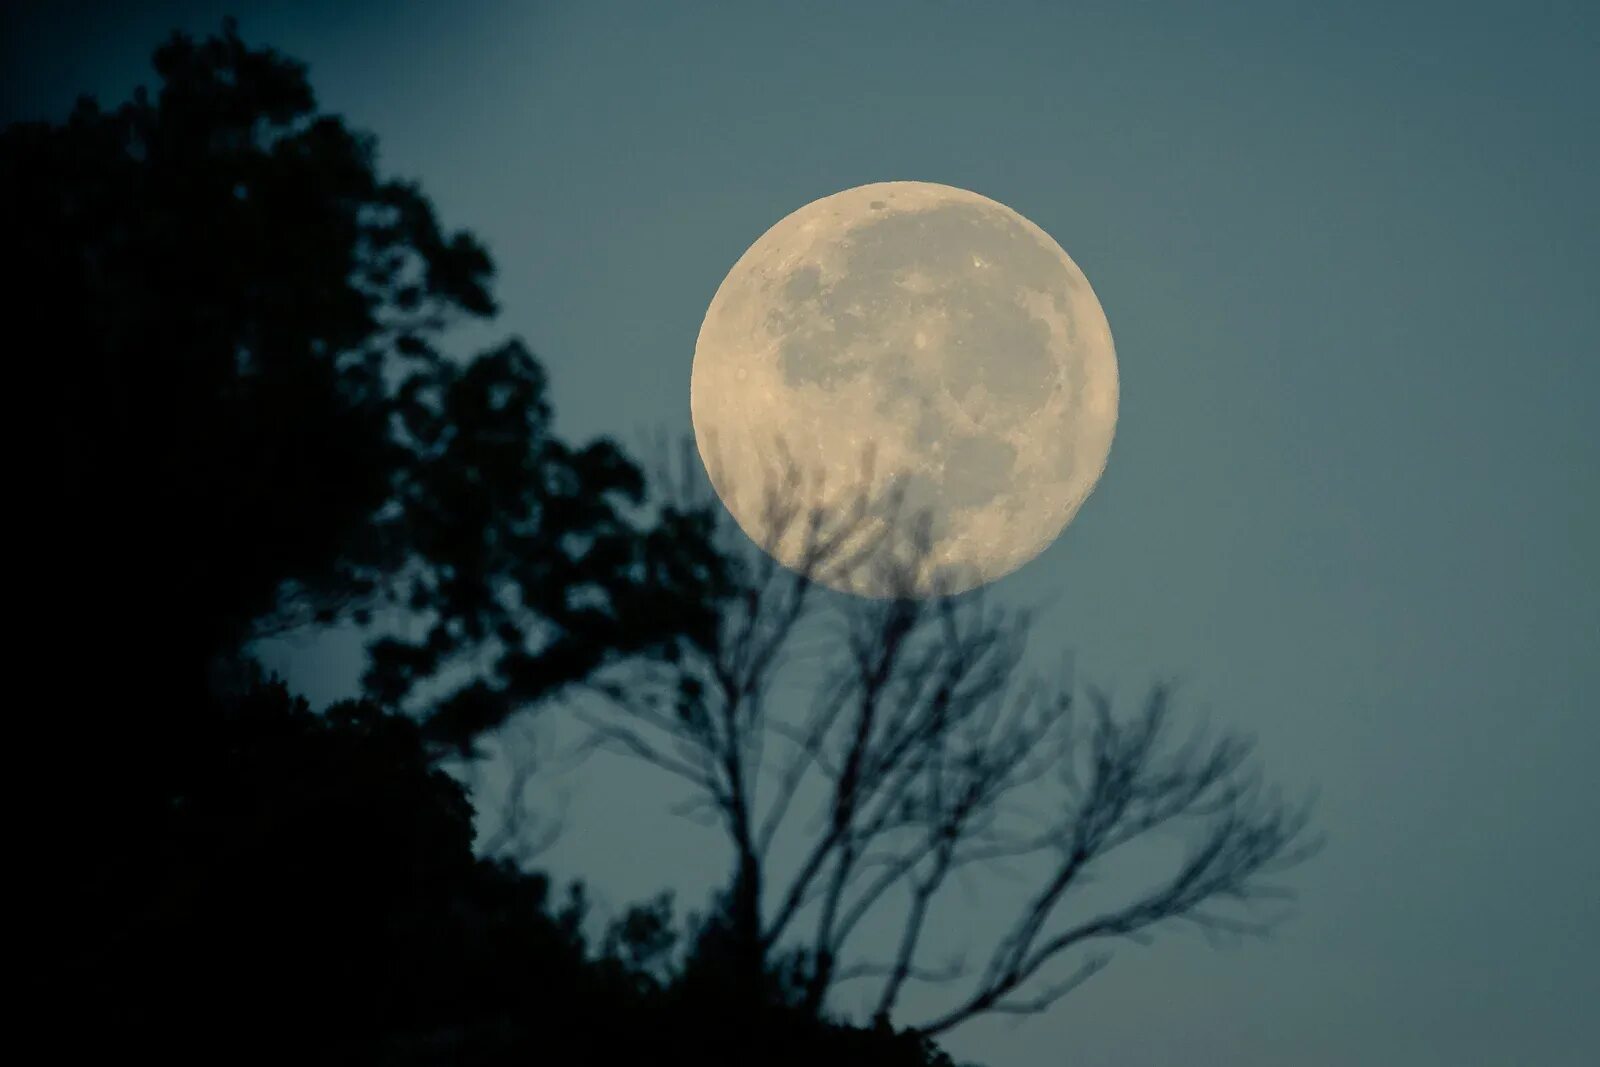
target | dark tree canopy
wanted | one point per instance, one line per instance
(252, 425)
(234, 339)
(319, 899)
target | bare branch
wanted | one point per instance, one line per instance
(1052, 993)
(931, 755)
(949, 972)
(1127, 791)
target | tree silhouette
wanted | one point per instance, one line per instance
(926, 752)
(254, 426)
(318, 897)
(251, 425)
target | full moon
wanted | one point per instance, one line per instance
(912, 341)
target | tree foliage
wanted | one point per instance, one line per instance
(319, 898)
(253, 425)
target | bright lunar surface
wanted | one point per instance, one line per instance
(934, 329)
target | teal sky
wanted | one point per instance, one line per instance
(1350, 255)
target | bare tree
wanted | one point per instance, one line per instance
(927, 752)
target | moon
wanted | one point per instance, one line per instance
(928, 329)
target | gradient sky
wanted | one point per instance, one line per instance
(1349, 253)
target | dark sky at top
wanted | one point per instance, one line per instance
(1349, 253)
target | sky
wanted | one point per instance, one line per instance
(1349, 256)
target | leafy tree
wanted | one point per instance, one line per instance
(236, 330)
(319, 898)
(253, 426)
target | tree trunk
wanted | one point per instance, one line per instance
(744, 920)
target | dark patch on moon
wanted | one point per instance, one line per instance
(802, 284)
(976, 469)
(917, 499)
(1003, 349)
(816, 335)
(929, 429)
(974, 260)
(973, 472)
